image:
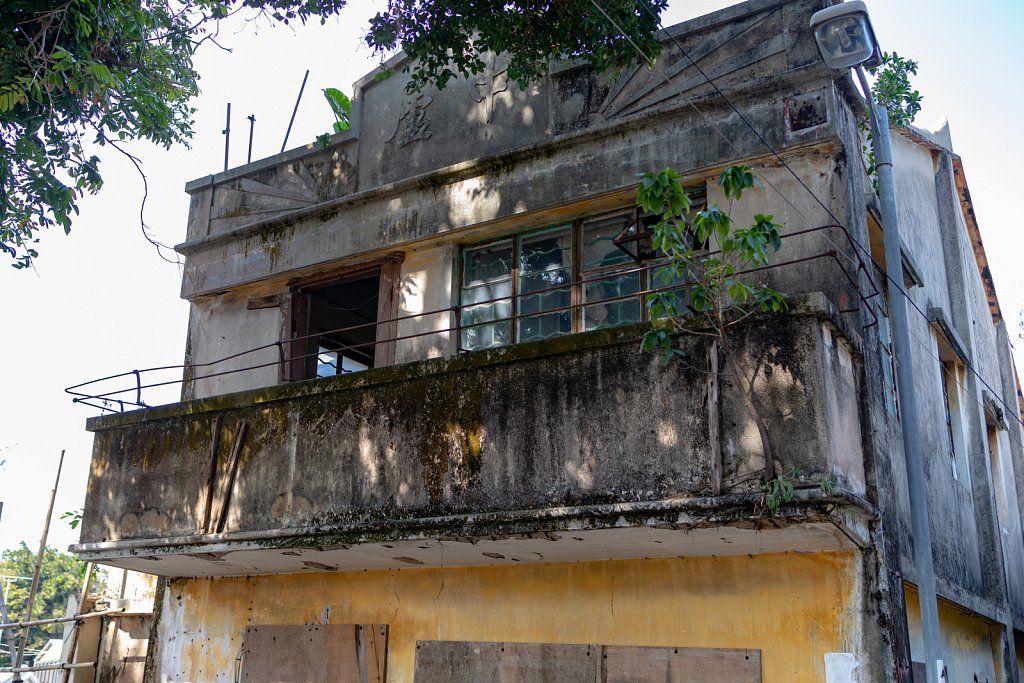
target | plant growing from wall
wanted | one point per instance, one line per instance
(781, 489)
(341, 107)
(892, 88)
(893, 91)
(707, 257)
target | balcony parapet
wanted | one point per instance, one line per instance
(581, 434)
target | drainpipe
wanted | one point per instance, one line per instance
(926, 591)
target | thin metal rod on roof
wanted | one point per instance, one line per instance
(252, 124)
(227, 137)
(294, 111)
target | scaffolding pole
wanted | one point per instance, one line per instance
(70, 656)
(8, 633)
(62, 620)
(44, 667)
(16, 669)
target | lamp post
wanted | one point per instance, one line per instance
(846, 40)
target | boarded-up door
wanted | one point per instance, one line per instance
(336, 653)
(484, 662)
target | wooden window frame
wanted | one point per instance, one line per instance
(952, 365)
(295, 312)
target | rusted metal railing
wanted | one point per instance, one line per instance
(857, 271)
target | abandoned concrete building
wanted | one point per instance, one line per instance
(418, 439)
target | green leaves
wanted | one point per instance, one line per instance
(82, 71)
(122, 70)
(660, 339)
(662, 193)
(706, 256)
(711, 222)
(60, 576)
(781, 489)
(892, 88)
(455, 37)
(73, 517)
(341, 106)
(735, 179)
(893, 91)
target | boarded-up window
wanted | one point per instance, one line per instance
(480, 662)
(336, 653)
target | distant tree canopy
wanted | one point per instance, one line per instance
(108, 71)
(61, 576)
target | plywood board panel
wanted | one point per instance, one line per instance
(700, 665)
(466, 662)
(335, 653)
(484, 662)
(626, 664)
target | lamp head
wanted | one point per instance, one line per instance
(845, 36)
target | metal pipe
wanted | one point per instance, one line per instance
(834, 255)
(252, 125)
(227, 136)
(44, 667)
(296, 109)
(62, 620)
(906, 388)
(35, 574)
(85, 398)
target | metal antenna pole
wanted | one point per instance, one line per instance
(227, 137)
(35, 575)
(252, 124)
(297, 100)
(905, 384)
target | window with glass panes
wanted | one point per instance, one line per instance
(550, 282)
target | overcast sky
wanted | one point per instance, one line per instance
(101, 301)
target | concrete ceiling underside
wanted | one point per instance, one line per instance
(240, 558)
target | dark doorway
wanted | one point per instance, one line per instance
(341, 324)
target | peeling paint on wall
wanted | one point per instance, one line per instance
(795, 608)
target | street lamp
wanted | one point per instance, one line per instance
(846, 40)
(845, 37)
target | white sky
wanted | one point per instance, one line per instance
(102, 302)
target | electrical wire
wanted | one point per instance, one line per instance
(715, 126)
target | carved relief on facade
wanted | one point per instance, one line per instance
(485, 87)
(413, 124)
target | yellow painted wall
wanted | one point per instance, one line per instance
(792, 607)
(970, 643)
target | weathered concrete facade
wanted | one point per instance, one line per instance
(567, 490)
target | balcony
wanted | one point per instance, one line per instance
(574, 448)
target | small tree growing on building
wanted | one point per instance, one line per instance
(701, 286)
(893, 91)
